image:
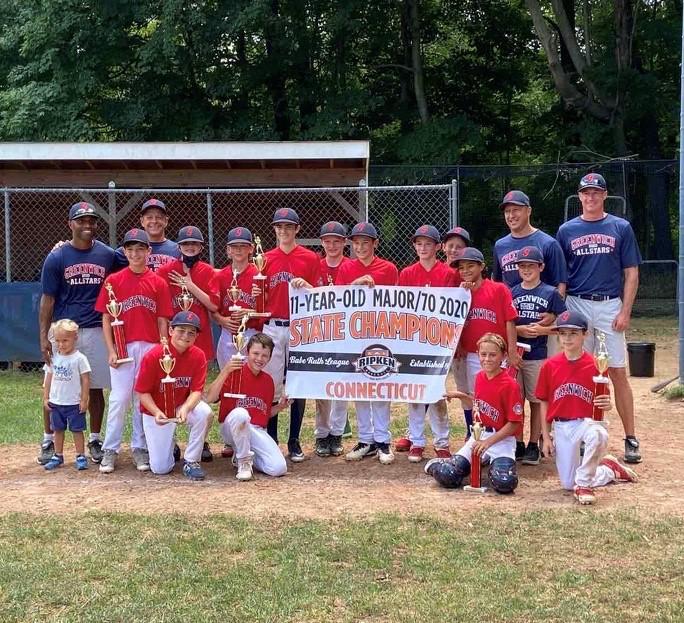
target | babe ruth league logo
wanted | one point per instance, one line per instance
(377, 362)
(564, 316)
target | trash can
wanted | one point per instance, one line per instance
(641, 358)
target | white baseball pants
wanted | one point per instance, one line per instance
(160, 438)
(373, 420)
(574, 470)
(123, 380)
(331, 417)
(504, 448)
(439, 423)
(225, 348)
(278, 362)
(253, 441)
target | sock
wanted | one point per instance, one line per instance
(94, 437)
(468, 418)
(48, 437)
(532, 444)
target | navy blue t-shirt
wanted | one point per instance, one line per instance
(73, 277)
(531, 304)
(162, 253)
(506, 251)
(596, 253)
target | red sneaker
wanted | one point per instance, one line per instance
(402, 445)
(227, 451)
(416, 454)
(621, 472)
(585, 495)
(443, 453)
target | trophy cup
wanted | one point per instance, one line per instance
(234, 294)
(114, 309)
(235, 377)
(260, 280)
(476, 430)
(601, 382)
(168, 363)
(185, 300)
(521, 349)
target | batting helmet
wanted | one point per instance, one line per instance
(503, 475)
(450, 472)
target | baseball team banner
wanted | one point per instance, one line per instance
(382, 343)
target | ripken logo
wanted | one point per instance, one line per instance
(377, 362)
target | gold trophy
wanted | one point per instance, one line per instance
(114, 309)
(476, 430)
(601, 382)
(185, 300)
(235, 377)
(259, 261)
(234, 294)
(168, 363)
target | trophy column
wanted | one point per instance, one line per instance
(601, 382)
(476, 430)
(167, 364)
(114, 309)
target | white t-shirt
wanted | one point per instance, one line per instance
(65, 388)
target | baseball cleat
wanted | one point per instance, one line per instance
(621, 472)
(632, 452)
(141, 459)
(227, 451)
(207, 456)
(335, 445)
(532, 456)
(385, 455)
(323, 446)
(519, 450)
(294, 450)
(47, 449)
(585, 495)
(402, 445)
(95, 450)
(415, 455)
(360, 451)
(193, 471)
(81, 462)
(245, 470)
(176, 452)
(56, 461)
(108, 462)
(443, 453)
(431, 463)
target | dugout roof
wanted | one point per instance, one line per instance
(184, 165)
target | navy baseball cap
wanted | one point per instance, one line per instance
(239, 235)
(471, 254)
(189, 234)
(427, 231)
(187, 318)
(364, 229)
(136, 235)
(457, 231)
(333, 228)
(570, 320)
(81, 209)
(515, 197)
(592, 180)
(153, 203)
(530, 254)
(285, 215)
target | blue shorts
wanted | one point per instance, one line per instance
(63, 415)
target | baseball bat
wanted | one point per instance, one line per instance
(663, 384)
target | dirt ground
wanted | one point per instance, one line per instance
(326, 488)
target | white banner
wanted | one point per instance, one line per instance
(383, 343)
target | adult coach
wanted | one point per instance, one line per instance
(517, 210)
(71, 279)
(603, 275)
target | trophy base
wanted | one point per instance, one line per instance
(260, 314)
(125, 360)
(471, 489)
(238, 396)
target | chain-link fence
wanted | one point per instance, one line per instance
(35, 219)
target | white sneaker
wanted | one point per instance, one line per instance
(245, 471)
(108, 462)
(385, 454)
(141, 458)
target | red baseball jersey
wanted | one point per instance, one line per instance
(498, 399)
(383, 272)
(190, 373)
(202, 275)
(280, 269)
(144, 297)
(259, 392)
(490, 308)
(567, 386)
(223, 280)
(440, 275)
(329, 273)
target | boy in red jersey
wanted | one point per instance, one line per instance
(146, 308)
(427, 271)
(190, 373)
(498, 400)
(566, 390)
(373, 418)
(331, 415)
(244, 420)
(288, 263)
(491, 311)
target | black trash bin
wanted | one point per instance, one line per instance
(641, 358)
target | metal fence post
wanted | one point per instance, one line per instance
(210, 227)
(453, 204)
(8, 239)
(363, 201)
(111, 208)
